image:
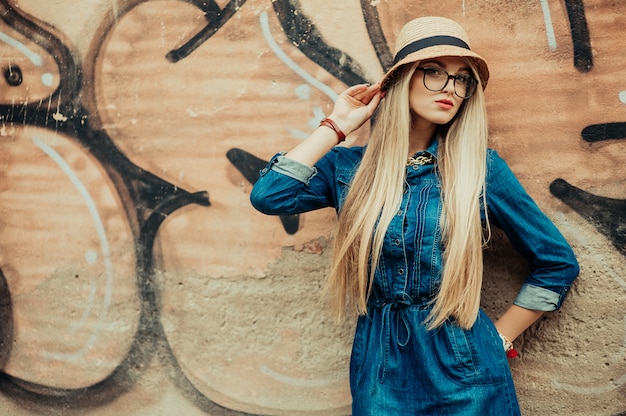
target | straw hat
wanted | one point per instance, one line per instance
(432, 37)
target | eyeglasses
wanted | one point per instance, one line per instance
(436, 79)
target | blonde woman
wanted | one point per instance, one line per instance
(412, 206)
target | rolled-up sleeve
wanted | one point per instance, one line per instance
(291, 168)
(553, 265)
(286, 186)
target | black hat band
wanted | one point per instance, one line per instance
(427, 43)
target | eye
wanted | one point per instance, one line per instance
(435, 72)
(465, 79)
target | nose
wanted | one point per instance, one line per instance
(449, 87)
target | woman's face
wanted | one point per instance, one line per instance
(436, 107)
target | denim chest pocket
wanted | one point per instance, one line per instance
(470, 357)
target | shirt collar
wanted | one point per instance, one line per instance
(432, 149)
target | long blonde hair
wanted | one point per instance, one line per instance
(376, 193)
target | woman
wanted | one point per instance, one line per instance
(413, 205)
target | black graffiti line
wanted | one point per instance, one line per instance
(217, 18)
(7, 329)
(583, 56)
(302, 33)
(607, 215)
(376, 34)
(70, 72)
(249, 166)
(606, 131)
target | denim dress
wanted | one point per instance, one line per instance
(397, 366)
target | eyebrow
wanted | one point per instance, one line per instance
(434, 61)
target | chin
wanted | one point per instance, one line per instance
(441, 121)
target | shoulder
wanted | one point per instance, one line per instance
(500, 177)
(493, 157)
(495, 163)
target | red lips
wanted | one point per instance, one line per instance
(445, 104)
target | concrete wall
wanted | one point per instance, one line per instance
(136, 278)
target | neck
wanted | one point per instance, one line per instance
(421, 136)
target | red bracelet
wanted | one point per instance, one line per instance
(333, 126)
(512, 353)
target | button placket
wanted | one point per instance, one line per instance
(402, 267)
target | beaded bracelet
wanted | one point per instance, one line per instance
(333, 126)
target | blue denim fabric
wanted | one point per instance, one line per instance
(397, 366)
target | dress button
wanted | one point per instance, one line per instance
(400, 272)
(399, 212)
(397, 241)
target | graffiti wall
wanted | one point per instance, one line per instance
(137, 279)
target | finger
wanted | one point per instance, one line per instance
(355, 89)
(374, 102)
(364, 94)
(370, 93)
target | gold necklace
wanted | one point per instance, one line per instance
(423, 159)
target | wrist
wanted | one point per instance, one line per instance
(330, 123)
(508, 346)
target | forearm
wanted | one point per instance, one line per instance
(516, 320)
(311, 150)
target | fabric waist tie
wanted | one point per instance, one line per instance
(402, 339)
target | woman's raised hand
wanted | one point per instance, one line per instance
(355, 106)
